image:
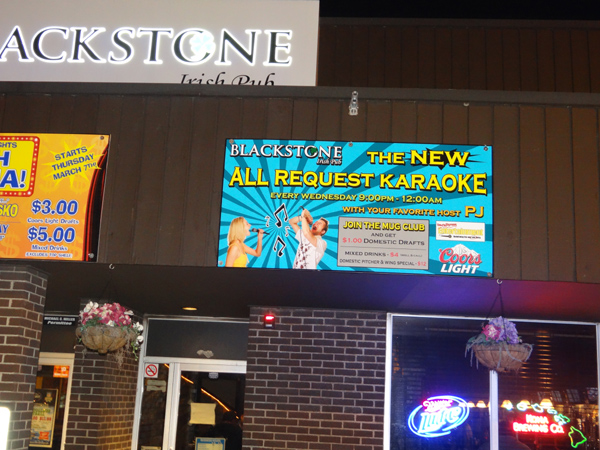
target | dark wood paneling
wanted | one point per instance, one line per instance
(511, 67)
(38, 114)
(533, 184)
(2, 107)
(443, 58)
(546, 69)
(455, 125)
(563, 64)
(581, 61)
(501, 56)
(176, 178)
(561, 226)
(477, 59)
(376, 56)
(15, 114)
(152, 181)
(360, 56)
(394, 58)
(326, 55)
(429, 123)
(304, 119)
(594, 52)
(124, 164)
(329, 119)
(379, 121)
(229, 125)
(494, 74)
(460, 59)
(528, 60)
(410, 57)
(62, 113)
(480, 125)
(109, 117)
(164, 178)
(355, 127)
(586, 193)
(507, 202)
(404, 121)
(85, 120)
(254, 118)
(279, 118)
(427, 57)
(202, 183)
(343, 64)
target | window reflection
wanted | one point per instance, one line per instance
(552, 403)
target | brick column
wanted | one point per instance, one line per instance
(22, 299)
(316, 380)
(101, 411)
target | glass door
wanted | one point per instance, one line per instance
(189, 402)
(51, 401)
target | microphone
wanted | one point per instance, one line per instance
(256, 230)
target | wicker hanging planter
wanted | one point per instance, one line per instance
(498, 347)
(103, 338)
(501, 356)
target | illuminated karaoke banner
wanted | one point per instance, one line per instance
(224, 42)
(363, 206)
(50, 195)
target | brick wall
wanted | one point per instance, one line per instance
(22, 299)
(102, 404)
(316, 380)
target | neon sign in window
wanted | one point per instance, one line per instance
(437, 416)
(542, 425)
(537, 424)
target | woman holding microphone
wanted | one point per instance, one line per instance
(237, 253)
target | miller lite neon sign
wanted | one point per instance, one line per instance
(438, 416)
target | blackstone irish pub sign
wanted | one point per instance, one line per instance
(225, 42)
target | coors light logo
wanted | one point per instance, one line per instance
(459, 259)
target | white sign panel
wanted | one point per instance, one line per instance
(151, 370)
(227, 42)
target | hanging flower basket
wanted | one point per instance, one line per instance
(108, 327)
(104, 339)
(502, 357)
(498, 347)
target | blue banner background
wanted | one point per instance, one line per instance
(257, 205)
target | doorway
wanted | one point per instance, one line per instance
(51, 401)
(186, 403)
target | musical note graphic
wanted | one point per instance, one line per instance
(280, 251)
(277, 211)
(287, 231)
(268, 218)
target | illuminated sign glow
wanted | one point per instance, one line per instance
(537, 424)
(541, 424)
(228, 42)
(437, 416)
(50, 193)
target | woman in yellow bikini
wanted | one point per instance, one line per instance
(237, 254)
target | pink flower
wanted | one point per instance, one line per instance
(491, 332)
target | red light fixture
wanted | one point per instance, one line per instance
(269, 320)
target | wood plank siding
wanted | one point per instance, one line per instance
(164, 176)
(451, 54)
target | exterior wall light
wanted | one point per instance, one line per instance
(353, 107)
(269, 320)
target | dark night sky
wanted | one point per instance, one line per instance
(469, 9)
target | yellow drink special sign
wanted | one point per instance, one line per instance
(50, 195)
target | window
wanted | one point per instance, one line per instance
(438, 397)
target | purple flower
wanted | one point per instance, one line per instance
(507, 330)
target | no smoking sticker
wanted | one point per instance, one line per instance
(151, 370)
